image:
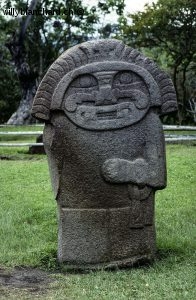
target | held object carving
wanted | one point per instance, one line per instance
(101, 103)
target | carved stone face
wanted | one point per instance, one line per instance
(103, 96)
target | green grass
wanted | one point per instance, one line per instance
(18, 153)
(38, 127)
(180, 132)
(28, 235)
(17, 138)
(28, 217)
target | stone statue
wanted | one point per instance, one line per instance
(101, 102)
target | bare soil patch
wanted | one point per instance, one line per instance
(27, 279)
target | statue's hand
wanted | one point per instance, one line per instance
(118, 170)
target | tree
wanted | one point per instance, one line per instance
(37, 40)
(168, 27)
(9, 86)
(31, 46)
(27, 76)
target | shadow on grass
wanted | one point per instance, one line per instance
(170, 256)
(21, 155)
(50, 262)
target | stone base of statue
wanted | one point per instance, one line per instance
(107, 238)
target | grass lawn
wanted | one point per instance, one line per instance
(28, 235)
(37, 127)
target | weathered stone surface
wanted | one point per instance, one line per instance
(101, 102)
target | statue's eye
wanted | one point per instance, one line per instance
(84, 81)
(125, 78)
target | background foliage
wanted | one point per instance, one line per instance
(164, 31)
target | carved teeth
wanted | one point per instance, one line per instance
(106, 115)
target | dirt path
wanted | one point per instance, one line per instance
(24, 283)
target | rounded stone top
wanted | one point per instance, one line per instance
(101, 51)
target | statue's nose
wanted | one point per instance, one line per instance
(105, 96)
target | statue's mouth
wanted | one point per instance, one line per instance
(107, 116)
(113, 113)
(103, 113)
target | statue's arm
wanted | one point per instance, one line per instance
(148, 170)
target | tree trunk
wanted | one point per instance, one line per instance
(175, 71)
(23, 113)
(27, 77)
(28, 83)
